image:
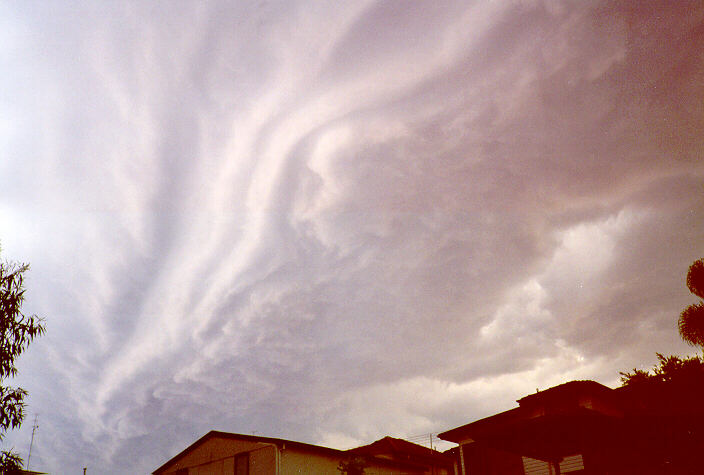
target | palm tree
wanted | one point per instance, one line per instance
(691, 322)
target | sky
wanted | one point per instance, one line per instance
(336, 221)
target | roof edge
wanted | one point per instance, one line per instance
(281, 443)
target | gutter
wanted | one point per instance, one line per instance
(277, 455)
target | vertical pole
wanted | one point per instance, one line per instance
(432, 464)
(31, 442)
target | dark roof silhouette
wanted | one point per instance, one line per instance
(403, 450)
(649, 426)
(566, 391)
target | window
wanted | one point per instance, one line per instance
(572, 463)
(242, 464)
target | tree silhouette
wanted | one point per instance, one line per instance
(691, 321)
(17, 331)
(10, 462)
(670, 369)
(695, 278)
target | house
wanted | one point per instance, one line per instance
(585, 427)
(220, 453)
(580, 427)
(430, 461)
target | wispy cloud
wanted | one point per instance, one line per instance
(332, 223)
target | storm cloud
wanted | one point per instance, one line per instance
(335, 221)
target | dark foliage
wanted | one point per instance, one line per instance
(691, 324)
(17, 331)
(672, 369)
(691, 321)
(10, 462)
(638, 376)
(695, 278)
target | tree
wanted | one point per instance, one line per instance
(691, 321)
(670, 369)
(17, 331)
(691, 328)
(10, 462)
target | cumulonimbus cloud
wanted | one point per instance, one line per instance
(259, 217)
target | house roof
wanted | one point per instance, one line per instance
(656, 417)
(545, 424)
(500, 420)
(567, 391)
(281, 443)
(403, 450)
(651, 425)
(250, 438)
